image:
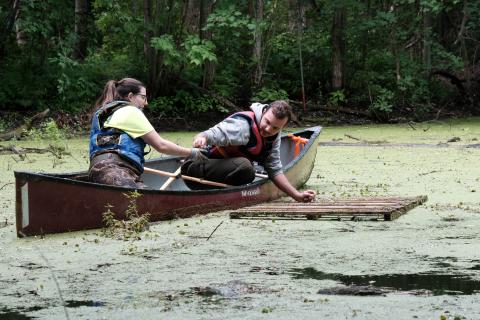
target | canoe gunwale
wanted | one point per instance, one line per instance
(60, 177)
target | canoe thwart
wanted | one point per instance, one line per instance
(170, 179)
(174, 175)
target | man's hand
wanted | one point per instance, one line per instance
(198, 155)
(200, 141)
(301, 196)
(305, 196)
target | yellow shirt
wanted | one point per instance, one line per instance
(131, 120)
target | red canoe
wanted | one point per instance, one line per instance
(51, 203)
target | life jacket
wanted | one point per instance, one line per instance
(257, 148)
(114, 140)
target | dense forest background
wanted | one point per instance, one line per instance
(408, 59)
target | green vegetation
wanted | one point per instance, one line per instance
(129, 228)
(47, 131)
(386, 59)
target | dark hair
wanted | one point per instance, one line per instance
(118, 90)
(281, 109)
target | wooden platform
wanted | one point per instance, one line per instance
(353, 209)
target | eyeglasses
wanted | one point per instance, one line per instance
(144, 97)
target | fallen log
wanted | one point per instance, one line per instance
(18, 131)
(56, 151)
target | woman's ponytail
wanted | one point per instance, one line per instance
(108, 94)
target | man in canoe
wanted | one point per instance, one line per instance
(240, 139)
(119, 133)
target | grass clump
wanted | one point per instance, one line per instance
(47, 131)
(131, 227)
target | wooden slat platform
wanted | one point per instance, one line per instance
(354, 209)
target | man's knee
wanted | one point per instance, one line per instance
(194, 169)
(243, 173)
(233, 171)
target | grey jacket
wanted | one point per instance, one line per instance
(236, 132)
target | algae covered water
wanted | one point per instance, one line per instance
(423, 265)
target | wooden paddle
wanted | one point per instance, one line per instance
(170, 179)
(184, 177)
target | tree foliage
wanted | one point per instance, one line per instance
(385, 57)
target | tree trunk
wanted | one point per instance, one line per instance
(191, 15)
(293, 18)
(7, 27)
(427, 41)
(20, 35)
(364, 44)
(209, 67)
(81, 27)
(161, 77)
(394, 46)
(149, 52)
(461, 34)
(257, 71)
(338, 48)
(297, 17)
(314, 5)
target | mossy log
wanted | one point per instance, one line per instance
(18, 131)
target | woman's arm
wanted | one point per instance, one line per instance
(164, 146)
(229, 132)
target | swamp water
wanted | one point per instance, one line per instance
(271, 269)
(437, 284)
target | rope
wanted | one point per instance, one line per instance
(299, 143)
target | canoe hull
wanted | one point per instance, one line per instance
(58, 203)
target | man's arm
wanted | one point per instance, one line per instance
(272, 163)
(283, 184)
(229, 132)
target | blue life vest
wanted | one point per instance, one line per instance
(114, 140)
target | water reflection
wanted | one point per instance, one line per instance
(83, 303)
(438, 284)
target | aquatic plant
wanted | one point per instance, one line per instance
(129, 228)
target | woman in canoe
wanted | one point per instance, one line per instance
(119, 133)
